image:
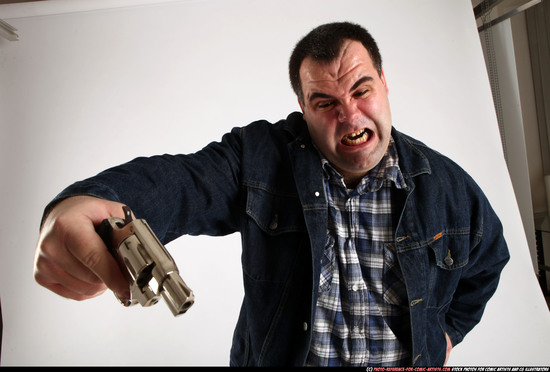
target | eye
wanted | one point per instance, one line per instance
(323, 105)
(362, 93)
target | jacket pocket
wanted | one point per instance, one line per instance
(274, 232)
(450, 254)
(274, 213)
(451, 249)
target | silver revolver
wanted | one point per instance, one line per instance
(142, 259)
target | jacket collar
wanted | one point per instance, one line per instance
(297, 126)
(412, 160)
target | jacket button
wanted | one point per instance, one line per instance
(274, 222)
(317, 193)
(448, 260)
(305, 326)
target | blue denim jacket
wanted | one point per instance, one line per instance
(266, 182)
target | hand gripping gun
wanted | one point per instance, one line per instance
(142, 258)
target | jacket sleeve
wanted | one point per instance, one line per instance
(177, 194)
(480, 277)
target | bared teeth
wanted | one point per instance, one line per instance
(355, 138)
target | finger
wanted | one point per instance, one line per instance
(449, 348)
(71, 258)
(88, 248)
(52, 254)
(58, 280)
(67, 293)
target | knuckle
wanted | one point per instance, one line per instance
(61, 223)
(39, 279)
(46, 249)
(38, 269)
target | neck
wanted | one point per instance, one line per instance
(352, 180)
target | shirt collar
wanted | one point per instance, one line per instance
(386, 169)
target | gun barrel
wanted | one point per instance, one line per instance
(177, 294)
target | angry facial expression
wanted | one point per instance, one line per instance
(347, 110)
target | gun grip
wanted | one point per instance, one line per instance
(105, 231)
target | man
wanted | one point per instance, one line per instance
(361, 246)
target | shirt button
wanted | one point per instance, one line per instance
(355, 288)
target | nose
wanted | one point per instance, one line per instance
(348, 113)
(341, 116)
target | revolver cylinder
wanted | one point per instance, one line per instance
(143, 259)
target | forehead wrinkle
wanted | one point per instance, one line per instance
(334, 67)
(319, 92)
(340, 60)
(333, 73)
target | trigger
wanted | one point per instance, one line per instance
(127, 214)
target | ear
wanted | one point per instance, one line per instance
(301, 106)
(383, 78)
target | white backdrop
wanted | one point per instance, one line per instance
(92, 84)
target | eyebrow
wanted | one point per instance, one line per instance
(364, 79)
(355, 86)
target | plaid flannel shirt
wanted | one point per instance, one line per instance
(362, 302)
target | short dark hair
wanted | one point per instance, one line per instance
(323, 44)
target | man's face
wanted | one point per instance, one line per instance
(347, 110)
